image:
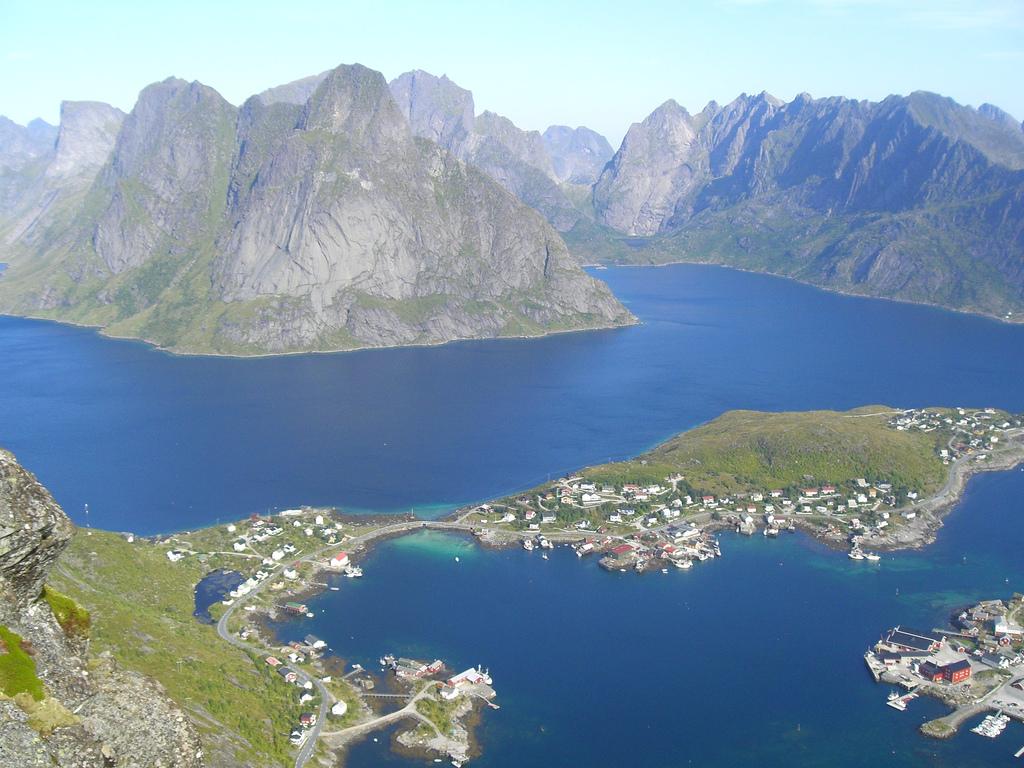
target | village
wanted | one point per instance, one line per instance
(976, 667)
(284, 557)
(280, 560)
(644, 526)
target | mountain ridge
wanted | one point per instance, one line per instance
(284, 227)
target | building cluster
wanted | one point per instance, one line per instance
(971, 432)
(995, 630)
(985, 638)
(677, 545)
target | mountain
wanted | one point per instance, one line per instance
(20, 144)
(578, 155)
(60, 172)
(914, 198)
(439, 110)
(59, 706)
(283, 226)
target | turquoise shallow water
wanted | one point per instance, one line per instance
(754, 659)
(154, 442)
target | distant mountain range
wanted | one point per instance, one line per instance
(310, 218)
(342, 211)
(914, 198)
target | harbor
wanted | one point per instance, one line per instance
(976, 667)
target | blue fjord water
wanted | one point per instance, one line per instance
(751, 660)
(154, 442)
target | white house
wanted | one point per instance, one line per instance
(339, 561)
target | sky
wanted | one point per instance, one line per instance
(600, 64)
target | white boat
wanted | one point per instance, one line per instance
(855, 554)
(544, 556)
(353, 571)
(872, 557)
(456, 558)
(528, 545)
(664, 570)
(684, 564)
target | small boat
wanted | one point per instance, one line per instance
(353, 571)
(664, 570)
(855, 554)
(309, 615)
(456, 558)
(872, 557)
(335, 589)
(528, 545)
(544, 556)
(684, 564)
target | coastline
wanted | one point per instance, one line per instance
(100, 330)
(1017, 319)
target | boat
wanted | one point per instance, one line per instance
(855, 554)
(684, 564)
(456, 558)
(528, 545)
(664, 570)
(353, 571)
(544, 556)
(872, 557)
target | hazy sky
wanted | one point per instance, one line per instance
(601, 64)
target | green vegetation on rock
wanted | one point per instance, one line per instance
(17, 668)
(73, 618)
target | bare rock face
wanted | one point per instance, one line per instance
(162, 181)
(578, 155)
(88, 130)
(439, 110)
(109, 718)
(33, 532)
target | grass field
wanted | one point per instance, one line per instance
(141, 612)
(741, 450)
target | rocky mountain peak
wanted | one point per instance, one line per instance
(577, 154)
(436, 108)
(354, 101)
(88, 130)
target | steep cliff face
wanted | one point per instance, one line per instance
(439, 110)
(578, 155)
(60, 709)
(167, 178)
(44, 201)
(913, 197)
(286, 226)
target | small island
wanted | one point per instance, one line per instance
(865, 480)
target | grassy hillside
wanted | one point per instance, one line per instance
(141, 613)
(741, 450)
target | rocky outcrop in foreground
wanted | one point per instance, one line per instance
(57, 706)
